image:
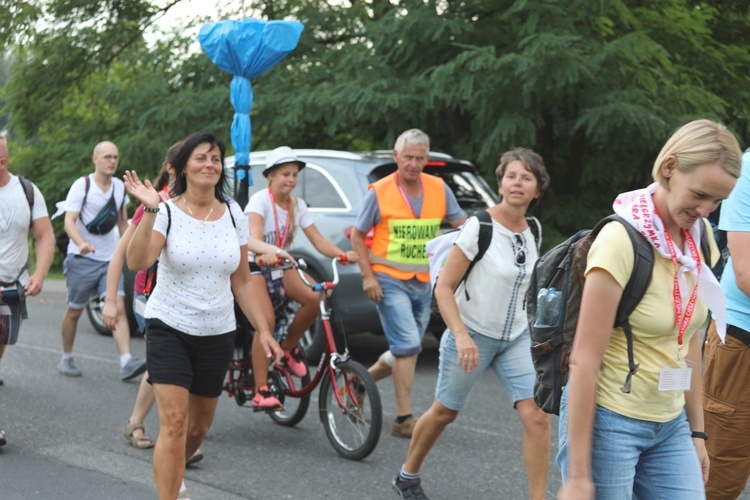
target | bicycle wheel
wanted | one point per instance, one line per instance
(354, 430)
(294, 408)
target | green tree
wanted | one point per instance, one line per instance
(595, 86)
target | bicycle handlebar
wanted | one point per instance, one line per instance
(326, 285)
(281, 265)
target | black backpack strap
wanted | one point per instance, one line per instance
(484, 240)
(536, 230)
(635, 289)
(485, 235)
(234, 223)
(85, 195)
(153, 269)
(28, 190)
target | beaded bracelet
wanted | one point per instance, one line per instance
(154, 210)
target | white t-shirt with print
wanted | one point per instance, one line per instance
(193, 293)
(14, 228)
(260, 203)
(103, 243)
(496, 285)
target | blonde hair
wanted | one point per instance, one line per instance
(698, 143)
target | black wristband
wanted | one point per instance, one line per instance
(698, 434)
(154, 210)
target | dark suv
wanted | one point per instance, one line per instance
(333, 185)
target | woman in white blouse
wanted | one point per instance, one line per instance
(200, 239)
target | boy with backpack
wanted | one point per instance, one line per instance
(22, 210)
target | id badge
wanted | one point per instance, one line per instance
(676, 375)
(4, 310)
(277, 274)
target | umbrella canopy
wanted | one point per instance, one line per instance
(246, 48)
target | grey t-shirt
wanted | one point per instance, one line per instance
(369, 214)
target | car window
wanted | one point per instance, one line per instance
(317, 190)
(469, 189)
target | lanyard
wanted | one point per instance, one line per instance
(690, 308)
(403, 195)
(280, 239)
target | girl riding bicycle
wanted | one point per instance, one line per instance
(268, 215)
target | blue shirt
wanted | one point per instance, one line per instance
(735, 216)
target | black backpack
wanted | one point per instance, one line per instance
(563, 268)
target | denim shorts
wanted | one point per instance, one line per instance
(510, 360)
(404, 313)
(85, 278)
(199, 364)
(633, 458)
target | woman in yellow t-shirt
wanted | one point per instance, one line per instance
(650, 442)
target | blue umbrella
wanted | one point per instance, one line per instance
(246, 49)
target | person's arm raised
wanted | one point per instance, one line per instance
(146, 244)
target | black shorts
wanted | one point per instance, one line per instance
(198, 364)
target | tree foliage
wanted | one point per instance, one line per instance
(595, 86)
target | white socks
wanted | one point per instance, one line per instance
(124, 358)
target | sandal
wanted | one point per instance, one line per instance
(140, 442)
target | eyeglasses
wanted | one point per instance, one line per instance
(519, 248)
(110, 157)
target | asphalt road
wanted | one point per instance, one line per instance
(65, 442)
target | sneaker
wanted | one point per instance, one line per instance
(405, 428)
(197, 457)
(408, 489)
(184, 495)
(296, 362)
(2, 438)
(68, 368)
(132, 369)
(2, 380)
(265, 401)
